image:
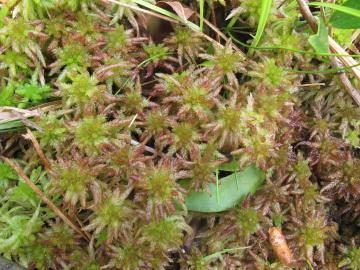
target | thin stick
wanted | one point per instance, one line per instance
(346, 60)
(30, 136)
(147, 148)
(345, 80)
(306, 12)
(43, 197)
(225, 38)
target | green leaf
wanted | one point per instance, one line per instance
(264, 15)
(249, 180)
(11, 126)
(320, 41)
(6, 172)
(232, 166)
(7, 95)
(353, 138)
(3, 12)
(348, 15)
(202, 4)
(344, 20)
(32, 94)
(22, 193)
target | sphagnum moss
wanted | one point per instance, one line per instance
(132, 117)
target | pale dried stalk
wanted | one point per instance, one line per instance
(224, 37)
(345, 58)
(43, 197)
(8, 114)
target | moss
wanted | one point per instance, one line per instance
(81, 91)
(73, 180)
(161, 190)
(54, 131)
(196, 100)
(156, 52)
(123, 114)
(156, 122)
(313, 234)
(247, 221)
(351, 260)
(74, 55)
(128, 257)
(113, 214)
(91, 133)
(166, 234)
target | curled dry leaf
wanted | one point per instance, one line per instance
(279, 245)
(183, 12)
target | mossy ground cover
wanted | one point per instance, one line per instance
(133, 139)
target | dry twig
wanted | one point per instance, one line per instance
(30, 136)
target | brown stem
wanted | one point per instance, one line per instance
(306, 12)
(30, 136)
(347, 83)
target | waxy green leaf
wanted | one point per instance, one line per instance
(320, 41)
(229, 195)
(344, 20)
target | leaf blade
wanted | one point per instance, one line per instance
(320, 41)
(249, 180)
(348, 10)
(265, 12)
(202, 4)
(342, 20)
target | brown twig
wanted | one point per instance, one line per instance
(224, 37)
(347, 83)
(306, 12)
(30, 136)
(43, 197)
(335, 48)
(345, 58)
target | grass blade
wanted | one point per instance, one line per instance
(344, 21)
(202, 3)
(217, 186)
(347, 10)
(290, 49)
(11, 126)
(264, 15)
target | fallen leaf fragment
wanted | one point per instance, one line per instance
(279, 245)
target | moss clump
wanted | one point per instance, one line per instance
(247, 220)
(91, 133)
(124, 114)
